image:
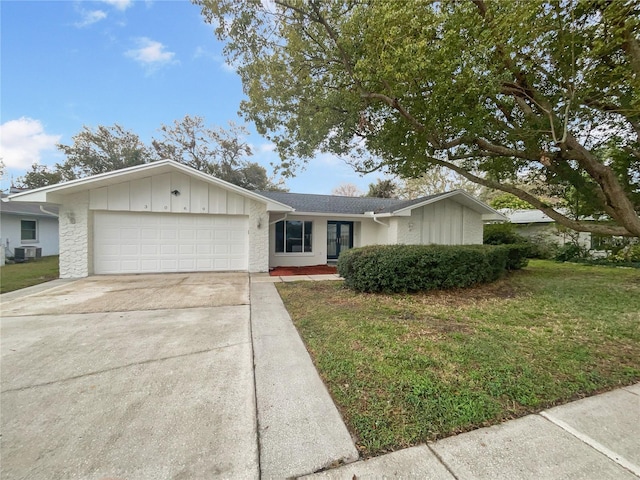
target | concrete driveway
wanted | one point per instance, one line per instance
(136, 377)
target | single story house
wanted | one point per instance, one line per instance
(27, 225)
(535, 224)
(167, 217)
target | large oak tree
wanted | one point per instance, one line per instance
(216, 151)
(501, 92)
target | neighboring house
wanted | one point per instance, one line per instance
(167, 217)
(535, 224)
(26, 224)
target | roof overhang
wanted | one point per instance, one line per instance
(55, 193)
(462, 197)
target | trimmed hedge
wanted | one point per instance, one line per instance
(518, 255)
(412, 268)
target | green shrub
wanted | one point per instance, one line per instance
(630, 253)
(501, 234)
(518, 255)
(411, 268)
(542, 247)
(569, 252)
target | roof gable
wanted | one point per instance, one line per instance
(54, 193)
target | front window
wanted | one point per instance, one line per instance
(293, 236)
(28, 230)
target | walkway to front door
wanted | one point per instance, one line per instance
(339, 238)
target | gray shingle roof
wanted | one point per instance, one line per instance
(22, 208)
(311, 203)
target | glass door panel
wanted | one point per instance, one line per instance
(339, 238)
(332, 240)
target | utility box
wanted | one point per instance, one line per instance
(27, 253)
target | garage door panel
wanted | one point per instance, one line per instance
(126, 242)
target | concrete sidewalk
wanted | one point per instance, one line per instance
(139, 362)
(301, 432)
(594, 438)
(266, 278)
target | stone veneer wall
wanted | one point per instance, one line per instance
(76, 243)
(258, 237)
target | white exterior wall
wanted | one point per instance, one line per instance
(318, 254)
(444, 223)
(410, 228)
(47, 233)
(472, 227)
(365, 232)
(153, 194)
(76, 239)
(258, 237)
(372, 233)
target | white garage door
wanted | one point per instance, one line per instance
(159, 242)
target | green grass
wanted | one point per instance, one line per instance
(405, 369)
(21, 275)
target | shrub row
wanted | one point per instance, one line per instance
(411, 268)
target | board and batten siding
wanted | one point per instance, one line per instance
(450, 223)
(153, 194)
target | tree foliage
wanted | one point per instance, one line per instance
(501, 92)
(510, 201)
(216, 151)
(105, 149)
(40, 176)
(438, 180)
(347, 190)
(383, 189)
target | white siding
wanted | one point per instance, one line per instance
(10, 234)
(442, 223)
(199, 197)
(472, 227)
(181, 200)
(161, 193)
(140, 195)
(153, 194)
(118, 197)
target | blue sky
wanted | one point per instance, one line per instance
(138, 63)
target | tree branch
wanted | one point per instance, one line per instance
(395, 104)
(536, 202)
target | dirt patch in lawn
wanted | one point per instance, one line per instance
(312, 270)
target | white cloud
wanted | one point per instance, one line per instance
(267, 147)
(89, 17)
(150, 53)
(119, 4)
(23, 140)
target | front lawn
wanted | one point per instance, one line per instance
(21, 275)
(405, 369)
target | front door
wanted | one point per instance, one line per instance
(339, 238)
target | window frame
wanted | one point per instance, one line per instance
(35, 230)
(284, 246)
